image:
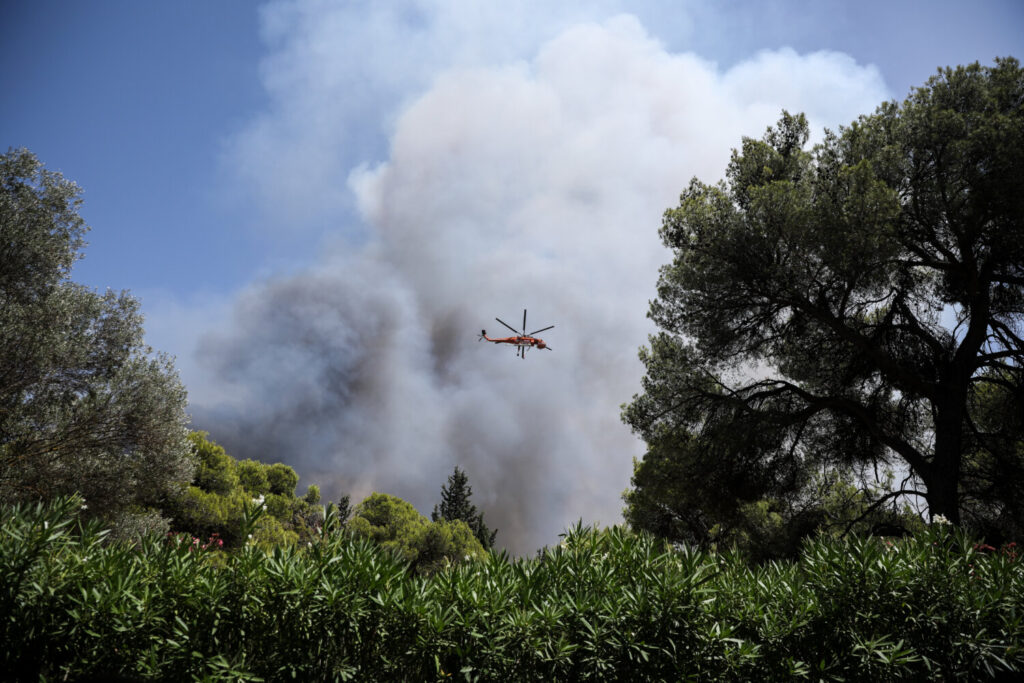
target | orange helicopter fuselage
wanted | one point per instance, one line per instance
(518, 341)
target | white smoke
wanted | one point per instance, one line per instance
(536, 183)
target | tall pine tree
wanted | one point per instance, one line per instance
(455, 505)
(856, 306)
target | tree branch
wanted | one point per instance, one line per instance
(878, 503)
(890, 367)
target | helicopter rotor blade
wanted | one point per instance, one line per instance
(507, 325)
(540, 330)
(524, 322)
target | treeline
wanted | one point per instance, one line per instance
(226, 494)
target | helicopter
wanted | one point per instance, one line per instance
(522, 340)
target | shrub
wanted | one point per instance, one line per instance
(602, 605)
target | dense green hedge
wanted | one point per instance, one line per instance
(606, 605)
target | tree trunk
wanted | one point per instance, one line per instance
(944, 485)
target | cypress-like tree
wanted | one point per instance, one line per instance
(455, 504)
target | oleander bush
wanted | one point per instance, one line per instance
(603, 605)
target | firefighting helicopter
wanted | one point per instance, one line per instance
(522, 341)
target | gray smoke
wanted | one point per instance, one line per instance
(534, 185)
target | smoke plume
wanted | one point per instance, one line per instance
(537, 183)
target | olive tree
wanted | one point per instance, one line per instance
(85, 405)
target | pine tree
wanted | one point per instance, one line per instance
(455, 504)
(856, 306)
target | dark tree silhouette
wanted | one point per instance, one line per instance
(858, 305)
(455, 504)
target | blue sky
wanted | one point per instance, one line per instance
(134, 101)
(320, 203)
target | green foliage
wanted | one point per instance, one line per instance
(444, 543)
(603, 605)
(455, 499)
(85, 406)
(669, 500)
(340, 512)
(806, 321)
(224, 489)
(253, 477)
(994, 476)
(312, 494)
(278, 506)
(282, 479)
(204, 513)
(216, 472)
(390, 522)
(455, 505)
(270, 533)
(396, 526)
